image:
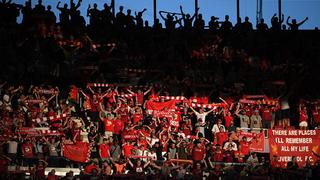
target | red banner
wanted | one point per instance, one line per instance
(170, 105)
(256, 139)
(299, 143)
(79, 152)
(38, 131)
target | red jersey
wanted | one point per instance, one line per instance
(118, 126)
(303, 116)
(221, 137)
(198, 153)
(108, 125)
(218, 156)
(244, 148)
(139, 98)
(127, 150)
(88, 169)
(104, 150)
(27, 150)
(228, 120)
(316, 116)
(137, 118)
(266, 115)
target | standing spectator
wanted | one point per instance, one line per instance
(104, 150)
(198, 152)
(216, 127)
(303, 117)
(256, 120)
(266, 117)
(230, 145)
(27, 152)
(244, 119)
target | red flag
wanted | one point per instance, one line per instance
(170, 105)
(79, 152)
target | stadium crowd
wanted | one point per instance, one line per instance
(174, 105)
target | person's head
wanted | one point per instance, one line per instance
(246, 19)
(226, 17)
(188, 16)
(261, 20)
(199, 16)
(230, 139)
(129, 12)
(53, 172)
(219, 122)
(121, 8)
(201, 110)
(294, 21)
(39, 2)
(138, 163)
(65, 6)
(173, 145)
(49, 8)
(244, 139)
(95, 6)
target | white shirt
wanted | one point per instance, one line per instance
(234, 146)
(13, 147)
(215, 128)
(202, 116)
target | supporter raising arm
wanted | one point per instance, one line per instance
(201, 114)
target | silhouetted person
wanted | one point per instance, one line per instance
(226, 25)
(50, 16)
(213, 23)
(239, 25)
(27, 13)
(94, 14)
(73, 10)
(262, 26)
(129, 21)
(139, 19)
(199, 23)
(294, 26)
(169, 21)
(78, 23)
(276, 23)
(247, 25)
(106, 15)
(39, 8)
(157, 26)
(64, 15)
(187, 19)
(120, 18)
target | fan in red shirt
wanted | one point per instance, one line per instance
(118, 126)
(218, 154)
(198, 152)
(316, 115)
(138, 116)
(221, 136)
(104, 149)
(127, 149)
(27, 149)
(228, 118)
(140, 95)
(303, 118)
(244, 146)
(266, 117)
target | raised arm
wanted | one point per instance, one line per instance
(299, 24)
(59, 8)
(145, 93)
(160, 13)
(193, 110)
(288, 21)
